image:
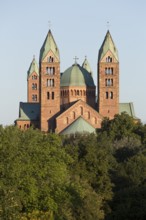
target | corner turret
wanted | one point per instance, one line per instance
(86, 66)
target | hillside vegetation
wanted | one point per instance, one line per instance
(98, 176)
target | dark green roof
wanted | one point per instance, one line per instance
(86, 66)
(49, 44)
(33, 68)
(76, 76)
(79, 126)
(108, 44)
(29, 111)
(128, 108)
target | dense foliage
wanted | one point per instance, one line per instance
(98, 176)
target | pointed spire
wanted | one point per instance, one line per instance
(108, 44)
(49, 44)
(33, 68)
(86, 66)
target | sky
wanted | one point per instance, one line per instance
(79, 28)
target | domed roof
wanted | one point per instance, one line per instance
(76, 76)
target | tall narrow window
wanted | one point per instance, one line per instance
(111, 95)
(48, 82)
(111, 82)
(48, 95)
(106, 95)
(52, 95)
(81, 108)
(67, 120)
(88, 115)
(74, 115)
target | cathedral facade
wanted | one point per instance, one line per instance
(66, 102)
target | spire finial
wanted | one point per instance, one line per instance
(33, 57)
(76, 58)
(108, 25)
(49, 22)
(85, 57)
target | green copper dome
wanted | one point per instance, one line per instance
(76, 76)
(108, 44)
(33, 68)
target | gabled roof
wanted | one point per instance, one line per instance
(108, 44)
(29, 111)
(128, 108)
(86, 66)
(76, 76)
(33, 68)
(49, 44)
(79, 126)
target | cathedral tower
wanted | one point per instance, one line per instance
(33, 82)
(49, 83)
(108, 78)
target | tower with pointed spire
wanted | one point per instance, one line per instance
(49, 63)
(33, 82)
(108, 78)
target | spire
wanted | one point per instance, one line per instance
(49, 44)
(86, 66)
(33, 68)
(108, 44)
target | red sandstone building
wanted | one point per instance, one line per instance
(66, 103)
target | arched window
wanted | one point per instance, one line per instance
(81, 109)
(52, 82)
(52, 95)
(34, 97)
(88, 115)
(51, 71)
(67, 121)
(48, 82)
(72, 92)
(111, 82)
(108, 59)
(111, 95)
(77, 92)
(106, 95)
(50, 59)
(111, 71)
(34, 86)
(74, 115)
(80, 92)
(48, 95)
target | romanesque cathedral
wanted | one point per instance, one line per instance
(66, 102)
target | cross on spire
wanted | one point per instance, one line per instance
(76, 58)
(49, 22)
(108, 25)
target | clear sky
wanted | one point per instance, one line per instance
(79, 28)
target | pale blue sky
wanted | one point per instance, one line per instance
(79, 28)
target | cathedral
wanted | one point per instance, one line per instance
(66, 103)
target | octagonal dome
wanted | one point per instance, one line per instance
(76, 76)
